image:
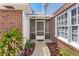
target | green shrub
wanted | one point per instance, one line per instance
(11, 43)
(28, 44)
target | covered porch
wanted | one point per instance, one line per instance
(40, 28)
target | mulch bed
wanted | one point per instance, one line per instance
(54, 50)
(28, 52)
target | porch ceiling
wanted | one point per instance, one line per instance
(39, 17)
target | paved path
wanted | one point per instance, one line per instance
(41, 49)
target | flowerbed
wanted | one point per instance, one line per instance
(54, 51)
(28, 51)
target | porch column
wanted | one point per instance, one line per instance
(25, 27)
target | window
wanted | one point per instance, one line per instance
(74, 37)
(62, 29)
(62, 17)
(58, 19)
(74, 29)
(66, 29)
(74, 24)
(73, 17)
(65, 20)
(73, 20)
(74, 33)
(69, 27)
(66, 35)
(65, 15)
(73, 12)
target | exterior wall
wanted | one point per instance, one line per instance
(47, 29)
(10, 19)
(62, 44)
(69, 39)
(14, 19)
(52, 29)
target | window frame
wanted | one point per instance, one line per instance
(62, 28)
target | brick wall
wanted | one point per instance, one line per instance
(10, 19)
(62, 44)
(53, 28)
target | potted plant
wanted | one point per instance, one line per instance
(28, 48)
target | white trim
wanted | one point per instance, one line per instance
(25, 27)
(56, 27)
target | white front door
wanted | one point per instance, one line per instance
(40, 29)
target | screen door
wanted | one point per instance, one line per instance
(40, 29)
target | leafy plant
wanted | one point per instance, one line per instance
(28, 44)
(11, 43)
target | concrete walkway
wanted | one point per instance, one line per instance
(41, 49)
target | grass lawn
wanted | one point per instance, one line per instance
(68, 52)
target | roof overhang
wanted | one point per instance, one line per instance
(63, 8)
(17, 6)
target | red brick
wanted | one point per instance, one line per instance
(10, 19)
